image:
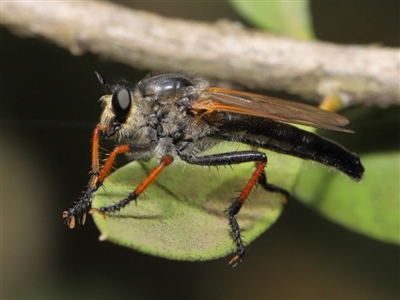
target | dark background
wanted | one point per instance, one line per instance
(48, 109)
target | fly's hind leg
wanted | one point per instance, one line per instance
(229, 158)
(262, 180)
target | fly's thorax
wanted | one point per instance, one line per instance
(171, 85)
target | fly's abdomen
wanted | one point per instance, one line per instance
(325, 151)
(287, 139)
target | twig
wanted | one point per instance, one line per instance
(224, 50)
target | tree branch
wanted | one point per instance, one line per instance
(227, 51)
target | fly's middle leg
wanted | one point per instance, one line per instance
(165, 161)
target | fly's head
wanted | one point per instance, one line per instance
(121, 116)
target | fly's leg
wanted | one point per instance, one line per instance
(166, 160)
(82, 206)
(262, 180)
(79, 210)
(229, 158)
(234, 209)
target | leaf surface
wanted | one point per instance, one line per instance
(182, 214)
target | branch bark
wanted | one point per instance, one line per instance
(227, 51)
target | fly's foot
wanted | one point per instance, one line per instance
(77, 213)
(71, 215)
(232, 211)
(236, 259)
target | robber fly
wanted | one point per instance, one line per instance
(178, 114)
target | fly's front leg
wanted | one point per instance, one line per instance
(79, 210)
(229, 158)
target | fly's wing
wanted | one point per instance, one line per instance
(220, 99)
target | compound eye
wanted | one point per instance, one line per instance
(121, 103)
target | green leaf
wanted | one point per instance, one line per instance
(181, 216)
(291, 18)
(371, 207)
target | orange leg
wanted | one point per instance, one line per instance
(166, 160)
(95, 155)
(234, 209)
(78, 211)
(238, 157)
(82, 206)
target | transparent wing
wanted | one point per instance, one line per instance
(220, 99)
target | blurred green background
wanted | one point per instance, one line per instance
(48, 109)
